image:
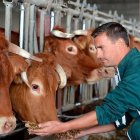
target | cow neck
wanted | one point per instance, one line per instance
(62, 78)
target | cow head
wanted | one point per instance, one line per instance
(35, 101)
(86, 43)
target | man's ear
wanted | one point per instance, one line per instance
(120, 42)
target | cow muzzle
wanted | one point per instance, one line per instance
(7, 124)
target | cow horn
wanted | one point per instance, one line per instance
(80, 32)
(17, 50)
(137, 39)
(62, 75)
(25, 79)
(60, 34)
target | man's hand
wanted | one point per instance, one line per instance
(48, 128)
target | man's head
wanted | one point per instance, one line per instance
(111, 41)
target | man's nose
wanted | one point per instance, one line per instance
(98, 54)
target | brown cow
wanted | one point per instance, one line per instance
(8, 70)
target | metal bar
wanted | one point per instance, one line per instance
(21, 36)
(39, 3)
(32, 27)
(76, 24)
(65, 96)
(68, 22)
(72, 106)
(26, 24)
(72, 94)
(52, 20)
(87, 23)
(35, 47)
(42, 28)
(57, 17)
(8, 19)
(59, 99)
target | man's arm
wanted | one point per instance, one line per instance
(96, 129)
(52, 127)
(85, 121)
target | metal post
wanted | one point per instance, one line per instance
(8, 19)
(26, 23)
(69, 17)
(21, 36)
(52, 20)
(42, 28)
(32, 27)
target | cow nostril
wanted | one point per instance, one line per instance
(106, 71)
(91, 48)
(8, 125)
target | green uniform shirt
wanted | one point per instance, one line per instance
(126, 95)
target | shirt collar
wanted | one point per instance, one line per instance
(129, 56)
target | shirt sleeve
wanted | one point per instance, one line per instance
(125, 96)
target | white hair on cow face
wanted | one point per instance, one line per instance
(71, 49)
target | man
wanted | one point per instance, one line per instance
(112, 43)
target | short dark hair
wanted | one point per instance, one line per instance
(113, 30)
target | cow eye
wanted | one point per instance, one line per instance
(92, 49)
(71, 50)
(35, 87)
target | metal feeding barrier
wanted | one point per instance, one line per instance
(72, 15)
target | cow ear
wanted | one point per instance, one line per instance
(19, 64)
(3, 43)
(47, 47)
(17, 79)
(79, 43)
(90, 31)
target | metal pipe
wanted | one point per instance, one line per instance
(40, 3)
(8, 19)
(73, 106)
(42, 28)
(57, 17)
(76, 24)
(52, 20)
(35, 47)
(26, 24)
(68, 22)
(32, 27)
(21, 35)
